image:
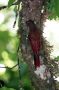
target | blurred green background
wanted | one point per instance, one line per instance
(9, 42)
(8, 46)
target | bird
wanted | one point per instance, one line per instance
(34, 38)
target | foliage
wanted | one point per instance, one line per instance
(53, 8)
(12, 77)
(56, 58)
(10, 2)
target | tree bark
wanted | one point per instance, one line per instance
(32, 9)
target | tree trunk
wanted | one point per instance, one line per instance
(35, 10)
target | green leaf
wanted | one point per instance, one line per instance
(23, 69)
(57, 7)
(10, 2)
(26, 82)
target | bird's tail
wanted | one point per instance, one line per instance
(36, 60)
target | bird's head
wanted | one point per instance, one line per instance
(31, 24)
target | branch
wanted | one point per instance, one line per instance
(15, 3)
(3, 7)
(10, 67)
(32, 10)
